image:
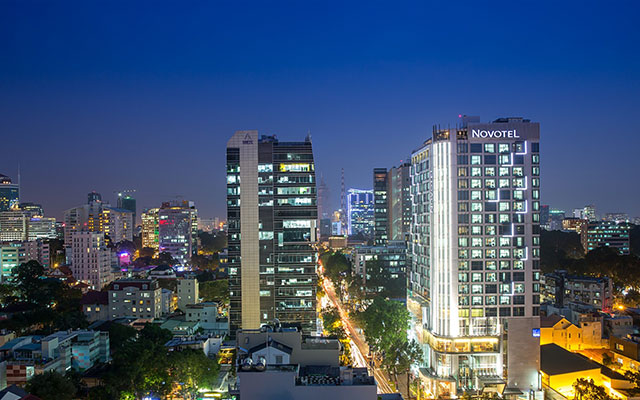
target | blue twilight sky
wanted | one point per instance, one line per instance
(110, 95)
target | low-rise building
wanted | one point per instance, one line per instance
(560, 288)
(95, 305)
(138, 298)
(209, 318)
(607, 233)
(276, 363)
(560, 368)
(188, 292)
(29, 355)
(210, 345)
(558, 330)
(618, 325)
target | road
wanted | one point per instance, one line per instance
(361, 348)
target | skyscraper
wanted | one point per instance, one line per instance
(399, 202)
(380, 207)
(474, 284)
(271, 217)
(175, 230)
(149, 233)
(127, 202)
(9, 193)
(360, 212)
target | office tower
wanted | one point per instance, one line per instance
(91, 261)
(399, 202)
(14, 225)
(606, 233)
(544, 216)
(324, 214)
(150, 226)
(32, 208)
(474, 284)
(127, 202)
(555, 219)
(343, 204)
(271, 217)
(94, 197)
(360, 212)
(41, 228)
(589, 213)
(380, 207)
(9, 259)
(9, 193)
(616, 217)
(175, 231)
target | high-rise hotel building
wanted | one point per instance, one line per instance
(272, 220)
(474, 249)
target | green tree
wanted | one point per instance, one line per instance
(147, 252)
(165, 258)
(51, 385)
(385, 323)
(217, 291)
(192, 370)
(400, 357)
(212, 242)
(336, 266)
(586, 389)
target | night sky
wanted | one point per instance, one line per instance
(102, 95)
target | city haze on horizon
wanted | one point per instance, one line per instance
(110, 99)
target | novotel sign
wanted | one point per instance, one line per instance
(494, 134)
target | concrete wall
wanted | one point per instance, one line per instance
(279, 385)
(523, 353)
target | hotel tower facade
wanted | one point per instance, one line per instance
(474, 254)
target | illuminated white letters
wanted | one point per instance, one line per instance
(475, 133)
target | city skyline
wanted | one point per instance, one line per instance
(353, 79)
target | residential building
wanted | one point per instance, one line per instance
(475, 256)
(208, 317)
(9, 260)
(276, 363)
(619, 325)
(9, 194)
(560, 288)
(391, 258)
(557, 329)
(95, 305)
(560, 368)
(587, 212)
(37, 250)
(150, 228)
(188, 292)
(137, 298)
(360, 212)
(91, 259)
(380, 207)
(117, 223)
(29, 355)
(607, 233)
(175, 230)
(13, 254)
(272, 227)
(209, 345)
(399, 202)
